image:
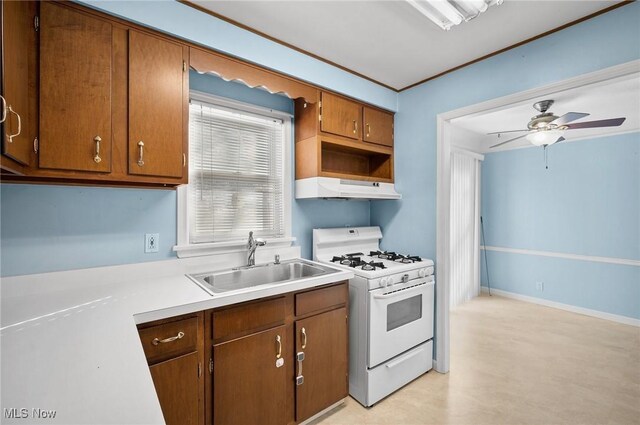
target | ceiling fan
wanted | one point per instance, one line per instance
(546, 128)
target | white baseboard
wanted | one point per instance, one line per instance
(580, 310)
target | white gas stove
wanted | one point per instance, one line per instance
(390, 308)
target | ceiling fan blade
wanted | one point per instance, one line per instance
(508, 141)
(613, 122)
(507, 131)
(569, 117)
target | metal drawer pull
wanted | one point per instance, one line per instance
(157, 341)
(304, 338)
(368, 130)
(279, 341)
(355, 126)
(10, 109)
(97, 158)
(4, 109)
(141, 153)
(300, 378)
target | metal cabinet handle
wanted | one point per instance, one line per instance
(4, 109)
(157, 341)
(279, 341)
(355, 127)
(10, 109)
(368, 130)
(140, 153)
(300, 377)
(97, 158)
(304, 338)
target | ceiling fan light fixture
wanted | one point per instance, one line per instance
(448, 13)
(544, 137)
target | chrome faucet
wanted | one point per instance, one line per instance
(252, 244)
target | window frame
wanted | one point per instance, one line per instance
(184, 248)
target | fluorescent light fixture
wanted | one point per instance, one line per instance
(544, 137)
(447, 13)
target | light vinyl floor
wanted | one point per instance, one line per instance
(519, 363)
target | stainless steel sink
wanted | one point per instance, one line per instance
(247, 277)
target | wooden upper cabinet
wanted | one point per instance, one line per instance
(75, 90)
(158, 98)
(340, 116)
(18, 46)
(377, 126)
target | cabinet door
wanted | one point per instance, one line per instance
(17, 46)
(323, 340)
(75, 90)
(250, 380)
(378, 127)
(156, 106)
(176, 383)
(340, 116)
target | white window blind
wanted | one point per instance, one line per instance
(235, 174)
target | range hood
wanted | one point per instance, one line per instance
(335, 188)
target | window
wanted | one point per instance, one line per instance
(239, 173)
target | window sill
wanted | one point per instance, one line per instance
(219, 248)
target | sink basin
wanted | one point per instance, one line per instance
(248, 277)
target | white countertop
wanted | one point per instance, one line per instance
(69, 341)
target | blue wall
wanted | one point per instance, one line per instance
(49, 228)
(410, 225)
(587, 203)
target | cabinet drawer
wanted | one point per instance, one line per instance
(169, 340)
(247, 318)
(321, 299)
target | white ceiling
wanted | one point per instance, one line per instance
(391, 42)
(615, 98)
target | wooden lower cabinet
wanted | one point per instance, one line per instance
(250, 379)
(177, 385)
(324, 341)
(241, 367)
(174, 349)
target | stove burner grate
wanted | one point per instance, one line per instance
(348, 259)
(372, 265)
(383, 255)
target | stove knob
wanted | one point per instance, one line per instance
(385, 281)
(422, 272)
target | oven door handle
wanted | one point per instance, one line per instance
(410, 289)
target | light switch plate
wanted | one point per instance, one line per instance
(151, 242)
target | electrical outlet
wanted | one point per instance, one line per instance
(151, 242)
(540, 286)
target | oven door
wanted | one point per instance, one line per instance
(400, 317)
